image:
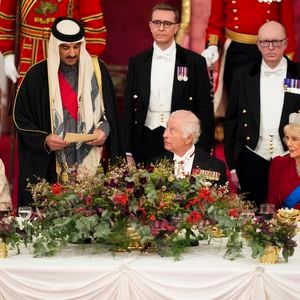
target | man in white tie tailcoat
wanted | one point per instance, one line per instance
(160, 80)
(262, 97)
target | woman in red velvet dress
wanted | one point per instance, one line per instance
(284, 174)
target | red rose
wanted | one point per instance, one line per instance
(233, 213)
(196, 171)
(88, 200)
(56, 188)
(205, 194)
(121, 199)
(194, 217)
(152, 218)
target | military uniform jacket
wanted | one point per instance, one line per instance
(35, 21)
(193, 94)
(242, 119)
(243, 19)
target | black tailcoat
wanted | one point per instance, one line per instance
(193, 94)
(242, 120)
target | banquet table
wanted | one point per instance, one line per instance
(89, 272)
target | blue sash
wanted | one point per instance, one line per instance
(293, 198)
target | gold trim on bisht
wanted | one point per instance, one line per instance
(185, 21)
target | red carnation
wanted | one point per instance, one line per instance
(152, 218)
(121, 199)
(56, 188)
(194, 217)
(233, 213)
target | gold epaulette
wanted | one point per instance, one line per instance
(212, 40)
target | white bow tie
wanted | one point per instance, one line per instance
(278, 72)
(162, 55)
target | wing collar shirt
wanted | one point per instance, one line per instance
(271, 104)
(162, 77)
(183, 164)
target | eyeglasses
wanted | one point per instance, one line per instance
(275, 43)
(166, 24)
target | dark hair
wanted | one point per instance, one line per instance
(166, 6)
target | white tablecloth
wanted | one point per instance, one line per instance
(202, 273)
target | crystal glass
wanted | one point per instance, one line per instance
(267, 211)
(25, 212)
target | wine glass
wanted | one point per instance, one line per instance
(25, 212)
(267, 211)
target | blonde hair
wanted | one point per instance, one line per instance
(293, 127)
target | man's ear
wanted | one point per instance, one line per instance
(189, 139)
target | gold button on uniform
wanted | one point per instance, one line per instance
(245, 125)
(248, 138)
(236, 27)
(234, 10)
(236, 18)
(135, 96)
(244, 111)
(191, 98)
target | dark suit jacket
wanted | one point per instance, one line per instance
(193, 95)
(242, 120)
(203, 161)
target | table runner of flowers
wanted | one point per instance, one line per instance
(146, 209)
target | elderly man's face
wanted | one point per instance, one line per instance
(174, 140)
(69, 53)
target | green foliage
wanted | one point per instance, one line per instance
(134, 208)
(262, 233)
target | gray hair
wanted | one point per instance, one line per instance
(190, 124)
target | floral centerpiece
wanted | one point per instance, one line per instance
(275, 234)
(145, 208)
(8, 234)
(166, 213)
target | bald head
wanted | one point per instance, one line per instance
(272, 43)
(271, 30)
